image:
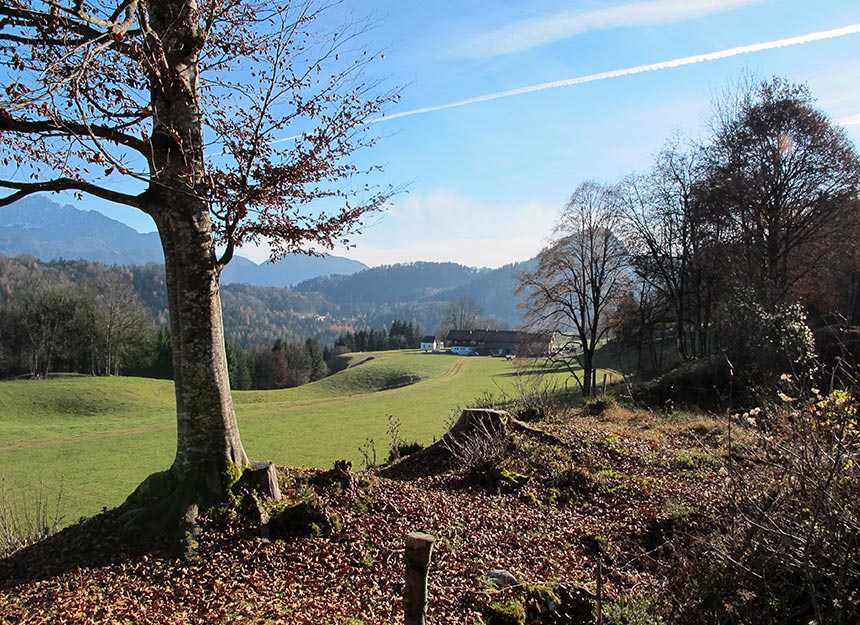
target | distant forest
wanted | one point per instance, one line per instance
(108, 320)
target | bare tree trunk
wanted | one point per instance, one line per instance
(587, 368)
(209, 453)
(208, 441)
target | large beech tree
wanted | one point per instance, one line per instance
(228, 122)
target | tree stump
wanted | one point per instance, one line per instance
(262, 478)
(341, 474)
(418, 549)
(479, 419)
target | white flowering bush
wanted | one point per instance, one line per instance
(764, 342)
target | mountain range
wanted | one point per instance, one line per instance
(38, 227)
(294, 298)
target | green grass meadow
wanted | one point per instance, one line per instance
(94, 439)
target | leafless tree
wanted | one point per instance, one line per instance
(578, 278)
(121, 323)
(674, 240)
(464, 313)
(51, 322)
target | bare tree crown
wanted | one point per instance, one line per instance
(249, 105)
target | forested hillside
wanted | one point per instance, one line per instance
(421, 290)
(323, 308)
(410, 281)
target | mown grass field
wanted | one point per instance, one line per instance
(95, 439)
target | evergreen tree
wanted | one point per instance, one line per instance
(162, 364)
(317, 357)
(298, 364)
(238, 367)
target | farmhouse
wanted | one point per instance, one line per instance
(430, 344)
(499, 342)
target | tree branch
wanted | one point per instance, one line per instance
(23, 189)
(29, 18)
(9, 124)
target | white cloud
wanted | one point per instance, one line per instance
(255, 252)
(443, 225)
(852, 120)
(539, 31)
(468, 252)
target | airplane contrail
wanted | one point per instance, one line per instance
(638, 69)
(834, 33)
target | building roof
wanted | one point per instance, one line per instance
(494, 336)
(428, 339)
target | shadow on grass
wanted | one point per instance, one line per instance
(610, 355)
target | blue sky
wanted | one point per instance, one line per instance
(487, 178)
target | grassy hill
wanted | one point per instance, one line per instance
(95, 439)
(678, 517)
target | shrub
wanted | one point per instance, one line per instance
(569, 484)
(788, 550)
(487, 401)
(764, 342)
(479, 450)
(510, 612)
(702, 382)
(599, 405)
(629, 612)
(535, 396)
(368, 453)
(408, 448)
(25, 522)
(398, 447)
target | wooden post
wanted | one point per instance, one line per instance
(600, 586)
(604, 385)
(418, 548)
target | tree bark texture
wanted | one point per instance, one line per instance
(207, 432)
